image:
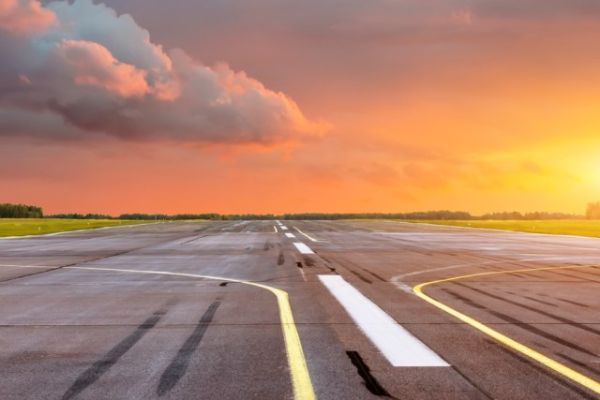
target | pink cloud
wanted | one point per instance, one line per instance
(24, 16)
(102, 74)
(94, 65)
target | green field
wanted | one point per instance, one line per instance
(579, 227)
(36, 226)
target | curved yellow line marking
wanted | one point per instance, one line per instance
(556, 366)
(301, 383)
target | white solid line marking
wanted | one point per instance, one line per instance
(307, 236)
(303, 249)
(398, 345)
(27, 266)
(275, 228)
(290, 235)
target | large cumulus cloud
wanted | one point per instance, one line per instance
(101, 73)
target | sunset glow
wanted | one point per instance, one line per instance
(394, 106)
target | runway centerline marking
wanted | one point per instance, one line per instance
(290, 235)
(548, 362)
(398, 345)
(312, 239)
(301, 382)
(303, 249)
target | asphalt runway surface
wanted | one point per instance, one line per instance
(299, 310)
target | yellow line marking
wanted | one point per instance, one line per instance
(301, 383)
(554, 365)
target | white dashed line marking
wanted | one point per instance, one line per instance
(303, 249)
(290, 235)
(398, 345)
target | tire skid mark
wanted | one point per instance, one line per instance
(519, 350)
(547, 303)
(473, 383)
(100, 367)
(580, 363)
(298, 369)
(99, 258)
(577, 277)
(179, 365)
(523, 325)
(544, 372)
(533, 309)
(574, 303)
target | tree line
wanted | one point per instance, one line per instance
(29, 211)
(298, 216)
(515, 215)
(420, 215)
(20, 211)
(593, 211)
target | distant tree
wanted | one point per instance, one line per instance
(550, 215)
(442, 214)
(515, 215)
(144, 216)
(593, 211)
(503, 215)
(20, 211)
(80, 216)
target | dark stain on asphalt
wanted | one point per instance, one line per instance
(223, 283)
(280, 258)
(309, 262)
(364, 371)
(100, 367)
(178, 367)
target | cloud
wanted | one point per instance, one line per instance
(24, 16)
(102, 74)
(94, 65)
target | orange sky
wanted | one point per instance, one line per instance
(477, 106)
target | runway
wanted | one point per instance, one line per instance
(299, 310)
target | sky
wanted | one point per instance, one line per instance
(271, 106)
